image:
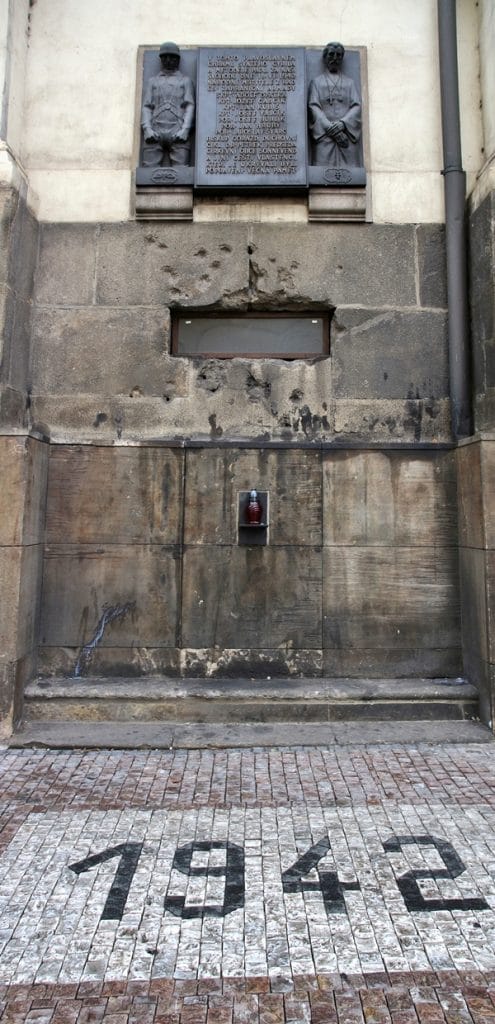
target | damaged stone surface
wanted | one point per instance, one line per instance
(103, 367)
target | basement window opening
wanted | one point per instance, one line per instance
(252, 336)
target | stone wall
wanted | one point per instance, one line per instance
(150, 451)
(101, 363)
(359, 575)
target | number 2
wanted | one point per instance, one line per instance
(454, 866)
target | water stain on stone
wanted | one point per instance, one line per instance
(215, 431)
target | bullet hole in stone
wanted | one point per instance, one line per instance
(136, 392)
(225, 248)
(211, 376)
(257, 389)
(385, 376)
(296, 395)
(251, 249)
(201, 252)
(215, 264)
(101, 417)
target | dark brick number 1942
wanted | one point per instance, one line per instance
(294, 879)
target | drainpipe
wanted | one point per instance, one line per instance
(455, 224)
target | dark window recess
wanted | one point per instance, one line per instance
(275, 336)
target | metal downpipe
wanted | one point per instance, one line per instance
(455, 224)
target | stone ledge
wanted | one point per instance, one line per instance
(168, 736)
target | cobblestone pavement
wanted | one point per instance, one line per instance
(266, 886)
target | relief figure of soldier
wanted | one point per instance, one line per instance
(168, 113)
(334, 113)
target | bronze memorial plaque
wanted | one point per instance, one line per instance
(251, 118)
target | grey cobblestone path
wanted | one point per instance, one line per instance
(348, 886)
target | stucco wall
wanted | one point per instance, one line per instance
(78, 129)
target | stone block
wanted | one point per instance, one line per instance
(110, 661)
(114, 495)
(23, 251)
(432, 265)
(490, 603)
(474, 608)
(81, 583)
(389, 498)
(161, 264)
(164, 203)
(214, 478)
(389, 354)
(484, 410)
(469, 496)
(20, 346)
(7, 317)
(36, 470)
(96, 350)
(368, 264)
(251, 663)
(9, 200)
(20, 584)
(482, 250)
(488, 497)
(8, 672)
(65, 275)
(386, 420)
(23, 463)
(13, 409)
(30, 581)
(252, 597)
(392, 663)
(390, 598)
(10, 582)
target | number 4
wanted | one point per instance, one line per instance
(332, 890)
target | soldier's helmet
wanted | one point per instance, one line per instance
(169, 48)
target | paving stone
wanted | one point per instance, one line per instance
(340, 919)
